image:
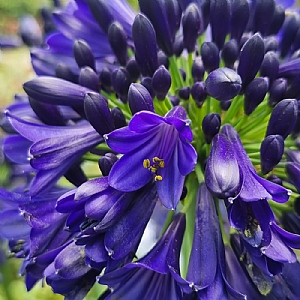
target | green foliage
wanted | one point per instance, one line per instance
(17, 8)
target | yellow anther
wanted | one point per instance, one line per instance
(161, 164)
(153, 169)
(158, 178)
(146, 163)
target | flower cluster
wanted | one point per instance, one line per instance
(158, 152)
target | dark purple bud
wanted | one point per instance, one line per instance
(277, 20)
(288, 33)
(270, 66)
(83, 54)
(222, 175)
(147, 83)
(101, 13)
(198, 92)
(191, 26)
(183, 74)
(230, 53)
(293, 172)
(210, 56)
(139, 98)
(163, 59)
(105, 79)
(55, 91)
(273, 178)
(251, 57)
(30, 31)
(178, 45)
(197, 69)
(184, 93)
(219, 21)
(210, 126)
(89, 79)
(283, 118)
(255, 93)
(106, 162)
(121, 81)
(118, 42)
(118, 117)
(174, 100)
(271, 44)
(64, 72)
(174, 13)
(47, 113)
(97, 112)
(165, 17)
(144, 39)
(271, 151)
(263, 14)
(277, 91)
(240, 12)
(133, 70)
(161, 82)
(225, 104)
(223, 84)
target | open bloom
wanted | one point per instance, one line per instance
(154, 147)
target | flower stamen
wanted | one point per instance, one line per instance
(157, 163)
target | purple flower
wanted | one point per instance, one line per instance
(151, 277)
(54, 149)
(154, 147)
(245, 184)
(206, 271)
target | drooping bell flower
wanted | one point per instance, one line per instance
(222, 174)
(245, 184)
(206, 270)
(154, 272)
(154, 147)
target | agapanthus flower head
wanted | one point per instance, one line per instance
(136, 118)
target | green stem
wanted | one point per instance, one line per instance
(177, 81)
(190, 210)
(233, 110)
(223, 231)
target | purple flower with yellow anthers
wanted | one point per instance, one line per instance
(155, 148)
